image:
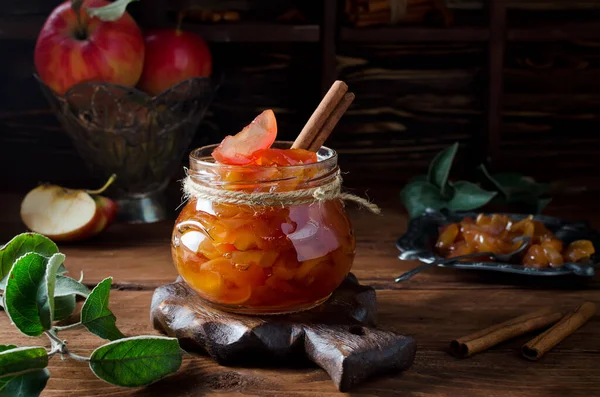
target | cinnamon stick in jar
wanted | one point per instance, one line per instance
(320, 115)
(491, 336)
(331, 122)
(541, 344)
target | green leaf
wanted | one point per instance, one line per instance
(64, 306)
(420, 196)
(491, 179)
(4, 381)
(468, 196)
(64, 296)
(22, 359)
(20, 245)
(27, 385)
(110, 12)
(96, 316)
(440, 166)
(68, 286)
(46, 291)
(136, 361)
(515, 188)
(6, 347)
(22, 296)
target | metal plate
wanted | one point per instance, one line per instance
(418, 242)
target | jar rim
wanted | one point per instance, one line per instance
(202, 158)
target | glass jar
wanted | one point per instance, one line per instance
(263, 259)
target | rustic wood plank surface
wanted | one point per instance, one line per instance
(433, 307)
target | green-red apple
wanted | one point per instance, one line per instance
(73, 47)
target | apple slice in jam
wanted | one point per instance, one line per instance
(283, 157)
(238, 149)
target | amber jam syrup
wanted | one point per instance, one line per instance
(263, 259)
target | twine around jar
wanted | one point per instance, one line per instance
(329, 191)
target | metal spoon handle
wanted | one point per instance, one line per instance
(425, 266)
(416, 270)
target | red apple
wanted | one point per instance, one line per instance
(67, 214)
(173, 56)
(72, 49)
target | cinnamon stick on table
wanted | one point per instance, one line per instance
(538, 346)
(484, 339)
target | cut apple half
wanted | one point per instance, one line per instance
(67, 214)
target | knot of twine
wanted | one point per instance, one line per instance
(330, 191)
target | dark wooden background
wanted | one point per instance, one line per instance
(515, 82)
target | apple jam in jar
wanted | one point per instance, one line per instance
(268, 258)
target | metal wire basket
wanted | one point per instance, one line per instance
(140, 138)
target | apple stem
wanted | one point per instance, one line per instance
(76, 6)
(180, 17)
(103, 188)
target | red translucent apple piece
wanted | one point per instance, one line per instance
(238, 149)
(579, 250)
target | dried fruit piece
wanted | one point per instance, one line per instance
(579, 250)
(496, 233)
(494, 225)
(536, 257)
(460, 248)
(525, 227)
(447, 236)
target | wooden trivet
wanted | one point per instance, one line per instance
(339, 335)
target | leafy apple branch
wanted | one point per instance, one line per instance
(435, 191)
(37, 294)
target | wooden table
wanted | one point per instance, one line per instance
(434, 307)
